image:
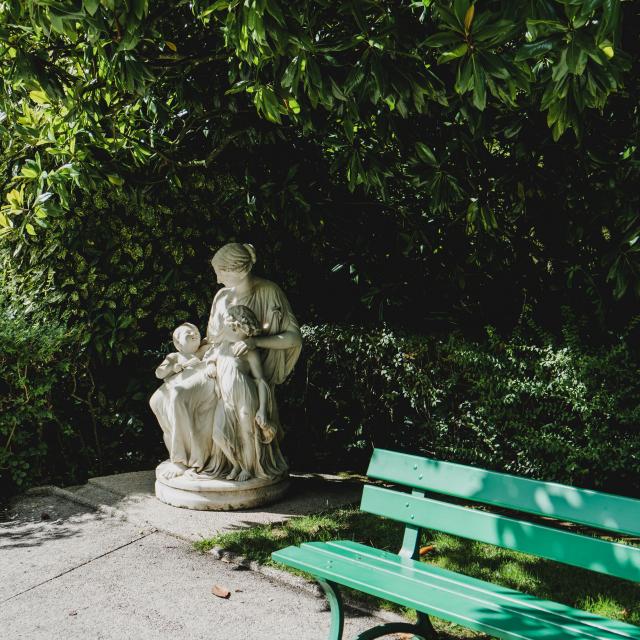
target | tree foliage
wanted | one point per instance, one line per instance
(479, 158)
(499, 136)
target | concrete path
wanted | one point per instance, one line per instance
(70, 571)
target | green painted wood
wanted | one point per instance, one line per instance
(411, 538)
(610, 558)
(591, 508)
(514, 616)
(502, 595)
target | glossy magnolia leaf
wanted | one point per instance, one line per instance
(537, 48)
(495, 33)
(494, 65)
(458, 52)
(468, 18)
(443, 39)
(544, 27)
(461, 8)
(91, 6)
(479, 86)
(425, 154)
(464, 76)
(576, 58)
(140, 8)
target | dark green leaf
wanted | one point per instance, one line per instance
(537, 48)
(458, 52)
(425, 154)
(479, 86)
(576, 57)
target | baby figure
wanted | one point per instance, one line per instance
(186, 339)
(241, 418)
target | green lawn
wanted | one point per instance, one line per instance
(610, 597)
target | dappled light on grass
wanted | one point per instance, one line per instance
(598, 594)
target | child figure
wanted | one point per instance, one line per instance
(186, 339)
(241, 418)
(186, 428)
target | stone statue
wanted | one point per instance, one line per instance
(186, 339)
(185, 404)
(240, 425)
(217, 407)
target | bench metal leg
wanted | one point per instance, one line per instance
(397, 627)
(337, 611)
(424, 623)
(422, 629)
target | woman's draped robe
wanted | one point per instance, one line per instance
(187, 404)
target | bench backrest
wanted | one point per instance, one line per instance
(562, 503)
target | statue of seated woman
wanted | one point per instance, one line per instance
(186, 405)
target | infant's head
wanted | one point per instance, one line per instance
(242, 320)
(186, 338)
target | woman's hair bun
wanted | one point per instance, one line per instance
(252, 252)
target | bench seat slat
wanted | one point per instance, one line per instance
(504, 595)
(485, 607)
(591, 508)
(606, 557)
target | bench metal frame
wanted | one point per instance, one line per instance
(550, 500)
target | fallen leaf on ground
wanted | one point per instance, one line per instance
(220, 592)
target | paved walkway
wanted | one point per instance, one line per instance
(128, 569)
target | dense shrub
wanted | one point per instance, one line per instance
(123, 272)
(43, 379)
(526, 404)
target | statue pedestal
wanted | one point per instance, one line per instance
(190, 492)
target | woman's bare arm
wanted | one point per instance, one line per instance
(285, 340)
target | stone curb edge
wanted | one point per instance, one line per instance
(224, 555)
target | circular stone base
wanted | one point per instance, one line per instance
(191, 492)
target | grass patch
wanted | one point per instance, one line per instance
(599, 594)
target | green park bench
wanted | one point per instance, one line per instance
(482, 606)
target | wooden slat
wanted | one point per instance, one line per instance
(591, 508)
(514, 617)
(605, 557)
(504, 596)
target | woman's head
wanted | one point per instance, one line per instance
(233, 261)
(242, 320)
